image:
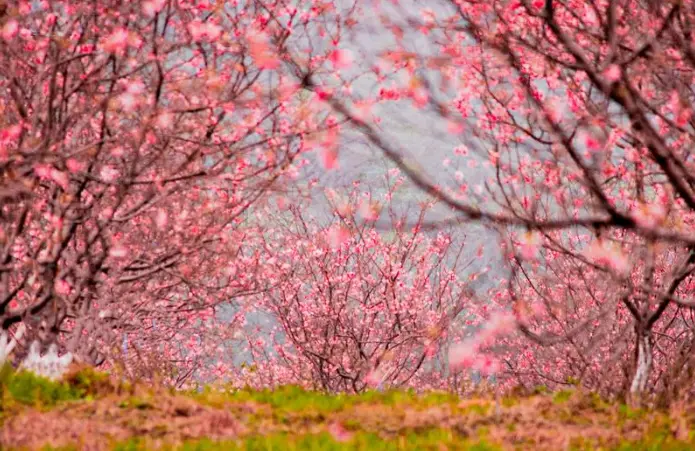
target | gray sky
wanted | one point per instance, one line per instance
(419, 132)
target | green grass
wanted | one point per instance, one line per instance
(562, 396)
(432, 439)
(630, 413)
(296, 399)
(656, 442)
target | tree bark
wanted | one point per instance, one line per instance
(643, 366)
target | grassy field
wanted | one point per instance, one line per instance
(90, 411)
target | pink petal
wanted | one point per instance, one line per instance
(43, 171)
(261, 53)
(462, 355)
(62, 287)
(329, 158)
(10, 30)
(152, 7)
(369, 210)
(340, 58)
(612, 73)
(161, 219)
(339, 433)
(61, 178)
(337, 235)
(591, 142)
(73, 165)
(117, 41)
(455, 128)
(488, 365)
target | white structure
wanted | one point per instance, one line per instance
(49, 365)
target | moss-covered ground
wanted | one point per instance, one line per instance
(90, 411)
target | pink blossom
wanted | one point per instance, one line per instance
(369, 210)
(117, 41)
(10, 30)
(323, 94)
(152, 7)
(431, 350)
(374, 378)
(85, 48)
(500, 323)
(118, 151)
(340, 58)
(344, 208)
(462, 355)
(487, 365)
(339, 433)
(11, 133)
(530, 245)
(118, 251)
(610, 255)
(204, 31)
(612, 73)
(363, 111)
(420, 97)
(649, 215)
(683, 117)
(261, 53)
(106, 213)
(165, 120)
(109, 174)
(26, 35)
(61, 178)
(591, 142)
(454, 127)
(681, 112)
(428, 16)
(161, 219)
(337, 235)
(128, 101)
(461, 150)
(134, 40)
(329, 158)
(43, 171)
(556, 110)
(62, 287)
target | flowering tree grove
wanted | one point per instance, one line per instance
(581, 113)
(138, 139)
(134, 138)
(355, 307)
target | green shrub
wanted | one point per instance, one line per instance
(27, 388)
(562, 396)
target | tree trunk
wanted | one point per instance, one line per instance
(643, 366)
